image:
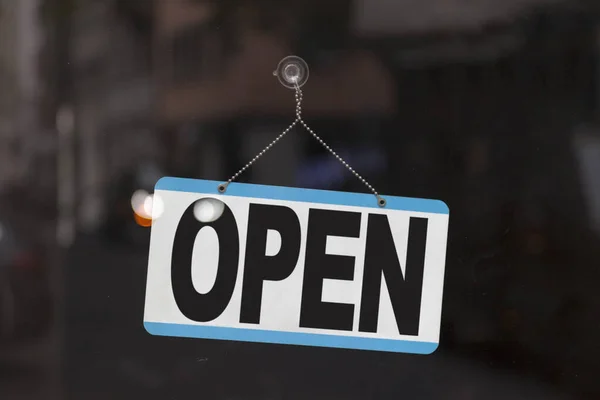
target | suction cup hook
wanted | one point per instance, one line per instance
(292, 71)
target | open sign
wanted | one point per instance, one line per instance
(296, 266)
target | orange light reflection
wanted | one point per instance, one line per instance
(142, 221)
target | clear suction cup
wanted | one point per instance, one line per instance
(292, 71)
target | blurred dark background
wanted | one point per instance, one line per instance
(491, 106)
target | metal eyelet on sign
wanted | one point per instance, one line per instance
(222, 188)
(381, 202)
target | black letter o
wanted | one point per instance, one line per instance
(196, 306)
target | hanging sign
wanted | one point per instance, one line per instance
(295, 266)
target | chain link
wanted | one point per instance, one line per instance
(299, 96)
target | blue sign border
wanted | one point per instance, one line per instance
(295, 338)
(304, 195)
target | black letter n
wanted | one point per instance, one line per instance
(381, 259)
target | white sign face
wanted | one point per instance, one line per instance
(296, 266)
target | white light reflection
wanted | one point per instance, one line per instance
(138, 199)
(153, 206)
(145, 205)
(208, 210)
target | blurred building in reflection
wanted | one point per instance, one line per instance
(407, 17)
(477, 105)
(218, 94)
(587, 149)
(112, 96)
(20, 38)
